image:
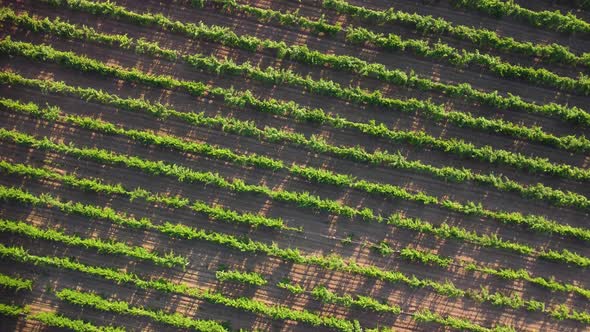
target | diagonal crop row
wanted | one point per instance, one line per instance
(184, 174)
(317, 145)
(48, 318)
(421, 47)
(305, 200)
(108, 247)
(15, 283)
(213, 212)
(480, 37)
(304, 55)
(458, 147)
(274, 76)
(331, 262)
(533, 222)
(430, 258)
(249, 278)
(441, 51)
(20, 255)
(11, 310)
(318, 26)
(425, 257)
(245, 245)
(553, 20)
(521, 274)
(15, 194)
(426, 316)
(96, 186)
(56, 320)
(86, 299)
(321, 293)
(164, 285)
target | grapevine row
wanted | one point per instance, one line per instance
(96, 186)
(15, 283)
(414, 255)
(11, 310)
(458, 147)
(301, 199)
(318, 26)
(533, 222)
(510, 274)
(429, 258)
(85, 299)
(108, 247)
(421, 47)
(322, 294)
(553, 20)
(480, 37)
(99, 187)
(441, 51)
(70, 207)
(56, 320)
(213, 212)
(249, 278)
(304, 55)
(164, 285)
(331, 262)
(47, 318)
(425, 315)
(315, 144)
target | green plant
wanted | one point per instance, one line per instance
(479, 37)
(251, 278)
(15, 283)
(109, 247)
(233, 126)
(291, 287)
(85, 299)
(553, 20)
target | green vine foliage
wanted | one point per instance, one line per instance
(553, 20)
(108, 247)
(303, 54)
(248, 128)
(480, 37)
(536, 223)
(15, 283)
(421, 47)
(86, 299)
(250, 278)
(164, 285)
(458, 147)
(443, 231)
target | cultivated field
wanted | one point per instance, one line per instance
(300, 165)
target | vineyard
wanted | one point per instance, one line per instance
(311, 165)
